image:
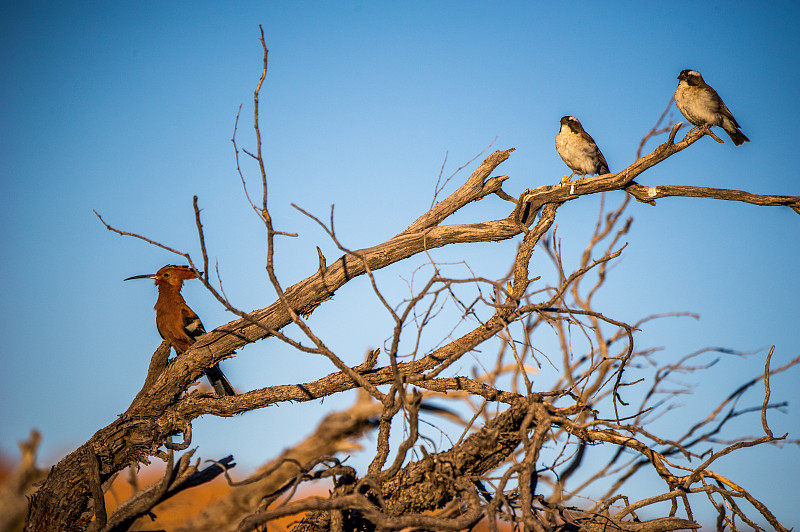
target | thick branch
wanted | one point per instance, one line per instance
(330, 437)
(430, 483)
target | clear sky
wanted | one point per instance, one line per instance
(128, 108)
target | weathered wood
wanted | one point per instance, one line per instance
(163, 409)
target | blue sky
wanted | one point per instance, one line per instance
(128, 108)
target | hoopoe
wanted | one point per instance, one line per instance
(176, 322)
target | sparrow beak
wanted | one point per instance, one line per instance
(147, 276)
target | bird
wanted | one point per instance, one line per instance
(179, 324)
(578, 150)
(701, 105)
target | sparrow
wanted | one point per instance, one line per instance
(701, 105)
(578, 150)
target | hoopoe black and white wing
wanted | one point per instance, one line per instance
(194, 329)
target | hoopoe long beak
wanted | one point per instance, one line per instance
(146, 276)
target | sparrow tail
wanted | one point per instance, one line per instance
(737, 137)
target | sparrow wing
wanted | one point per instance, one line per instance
(727, 114)
(594, 152)
(589, 145)
(602, 168)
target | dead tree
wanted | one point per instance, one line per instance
(19, 484)
(493, 470)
